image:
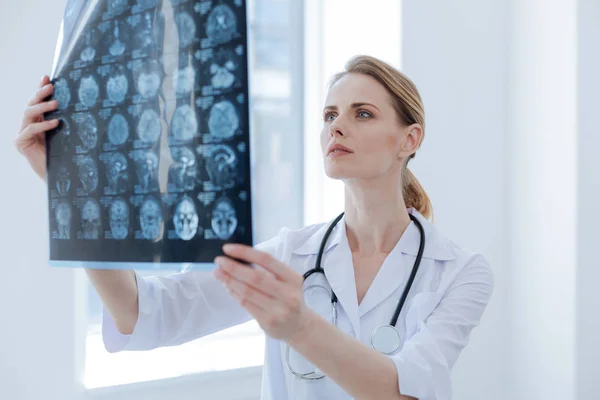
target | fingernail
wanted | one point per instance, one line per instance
(227, 247)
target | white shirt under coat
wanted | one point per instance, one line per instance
(447, 299)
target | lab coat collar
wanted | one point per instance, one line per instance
(437, 247)
(340, 274)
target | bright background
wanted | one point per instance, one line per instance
(509, 159)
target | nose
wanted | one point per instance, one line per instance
(335, 128)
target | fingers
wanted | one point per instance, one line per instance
(254, 277)
(44, 81)
(259, 312)
(33, 113)
(265, 260)
(246, 294)
(38, 109)
(41, 94)
(36, 129)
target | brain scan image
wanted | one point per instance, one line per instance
(185, 218)
(117, 87)
(146, 37)
(117, 7)
(223, 120)
(183, 80)
(116, 173)
(184, 124)
(88, 91)
(221, 24)
(222, 69)
(149, 79)
(148, 127)
(88, 174)
(151, 219)
(182, 174)
(89, 52)
(118, 216)
(62, 213)
(221, 165)
(90, 219)
(62, 93)
(153, 141)
(63, 180)
(118, 130)
(186, 27)
(224, 218)
(87, 129)
(146, 167)
(117, 47)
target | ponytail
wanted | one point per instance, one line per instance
(414, 194)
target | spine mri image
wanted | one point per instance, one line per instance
(149, 167)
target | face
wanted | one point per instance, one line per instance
(359, 115)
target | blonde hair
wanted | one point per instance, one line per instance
(409, 109)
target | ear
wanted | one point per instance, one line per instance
(412, 135)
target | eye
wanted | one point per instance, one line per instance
(364, 114)
(327, 117)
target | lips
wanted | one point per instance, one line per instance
(335, 148)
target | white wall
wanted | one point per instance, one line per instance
(555, 192)
(456, 53)
(543, 190)
(36, 303)
(587, 346)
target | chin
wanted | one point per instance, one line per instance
(339, 172)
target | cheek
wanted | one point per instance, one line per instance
(378, 145)
(392, 141)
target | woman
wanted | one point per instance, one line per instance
(373, 123)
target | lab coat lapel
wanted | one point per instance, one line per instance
(339, 271)
(390, 276)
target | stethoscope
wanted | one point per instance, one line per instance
(384, 338)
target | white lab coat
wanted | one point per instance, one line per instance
(446, 301)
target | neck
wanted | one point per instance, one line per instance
(375, 215)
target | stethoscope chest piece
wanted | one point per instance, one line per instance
(385, 339)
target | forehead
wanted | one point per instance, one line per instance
(355, 88)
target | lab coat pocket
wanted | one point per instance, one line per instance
(421, 306)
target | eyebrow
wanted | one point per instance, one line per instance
(353, 105)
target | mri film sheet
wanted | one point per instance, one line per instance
(149, 167)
